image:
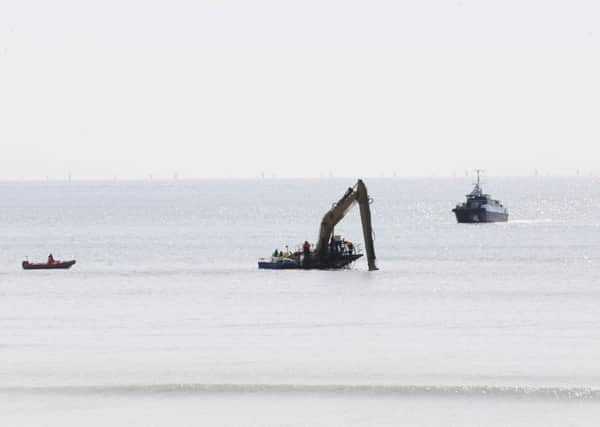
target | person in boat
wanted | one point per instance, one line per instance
(286, 253)
(350, 247)
(306, 248)
(51, 259)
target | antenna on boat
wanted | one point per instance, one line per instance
(478, 171)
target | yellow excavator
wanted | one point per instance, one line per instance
(331, 251)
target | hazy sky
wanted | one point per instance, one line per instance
(356, 88)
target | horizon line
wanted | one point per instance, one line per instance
(282, 177)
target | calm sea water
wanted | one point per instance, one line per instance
(166, 319)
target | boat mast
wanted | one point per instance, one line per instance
(477, 189)
(478, 171)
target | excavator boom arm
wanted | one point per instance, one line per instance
(365, 217)
(357, 194)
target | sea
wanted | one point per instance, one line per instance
(166, 320)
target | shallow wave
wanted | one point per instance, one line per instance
(484, 391)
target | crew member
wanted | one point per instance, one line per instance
(51, 259)
(306, 248)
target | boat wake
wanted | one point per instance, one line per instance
(535, 221)
(483, 391)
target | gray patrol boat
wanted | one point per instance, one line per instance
(480, 207)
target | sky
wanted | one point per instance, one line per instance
(232, 88)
